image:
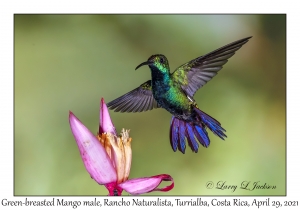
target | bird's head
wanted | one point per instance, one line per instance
(159, 62)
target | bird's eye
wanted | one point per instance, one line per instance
(161, 60)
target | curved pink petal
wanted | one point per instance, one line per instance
(105, 124)
(147, 184)
(94, 156)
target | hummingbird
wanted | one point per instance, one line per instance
(174, 92)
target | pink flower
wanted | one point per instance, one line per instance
(107, 157)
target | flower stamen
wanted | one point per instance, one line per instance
(127, 151)
(118, 156)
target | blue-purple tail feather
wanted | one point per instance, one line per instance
(193, 131)
(181, 130)
(211, 123)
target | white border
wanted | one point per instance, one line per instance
(8, 8)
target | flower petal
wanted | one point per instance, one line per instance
(105, 124)
(94, 156)
(147, 184)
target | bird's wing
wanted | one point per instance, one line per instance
(138, 100)
(194, 74)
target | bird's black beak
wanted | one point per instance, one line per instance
(143, 64)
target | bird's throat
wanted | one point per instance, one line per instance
(160, 74)
(160, 79)
(160, 85)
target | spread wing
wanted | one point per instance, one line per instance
(194, 74)
(138, 100)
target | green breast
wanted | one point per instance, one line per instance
(177, 101)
